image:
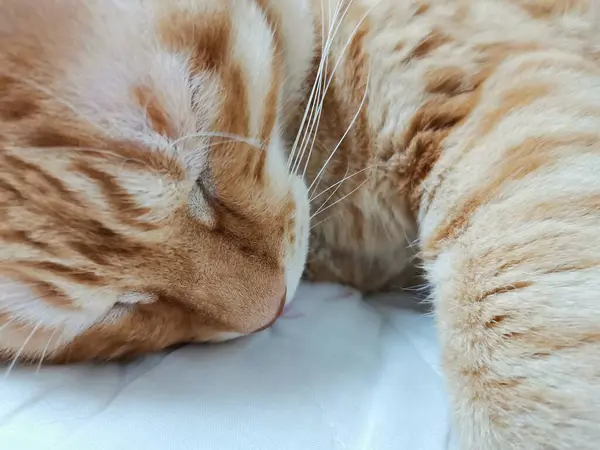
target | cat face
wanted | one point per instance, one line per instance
(145, 193)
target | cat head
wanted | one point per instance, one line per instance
(145, 189)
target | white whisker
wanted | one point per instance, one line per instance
(307, 115)
(293, 163)
(337, 201)
(323, 24)
(352, 122)
(330, 196)
(214, 144)
(307, 112)
(344, 49)
(340, 182)
(45, 350)
(320, 223)
(18, 354)
(325, 206)
(312, 129)
(317, 112)
(209, 134)
(349, 41)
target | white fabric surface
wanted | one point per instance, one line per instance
(337, 373)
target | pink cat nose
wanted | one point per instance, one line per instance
(277, 315)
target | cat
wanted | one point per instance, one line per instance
(468, 133)
(164, 163)
(135, 215)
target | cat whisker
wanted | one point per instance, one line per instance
(338, 184)
(230, 136)
(352, 122)
(313, 127)
(346, 177)
(321, 222)
(323, 22)
(20, 351)
(308, 114)
(324, 205)
(45, 350)
(342, 53)
(417, 288)
(311, 136)
(339, 200)
(324, 58)
(415, 243)
(335, 27)
(310, 110)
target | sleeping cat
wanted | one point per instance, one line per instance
(162, 161)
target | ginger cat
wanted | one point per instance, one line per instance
(161, 162)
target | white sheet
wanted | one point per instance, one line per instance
(337, 373)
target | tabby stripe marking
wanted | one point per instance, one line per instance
(519, 161)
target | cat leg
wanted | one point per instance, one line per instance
(518, 311)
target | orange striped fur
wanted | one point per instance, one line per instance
(143, 185)
(471, 143)
(157, 192)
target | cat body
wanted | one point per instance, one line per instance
(159, 159)
(476, 133)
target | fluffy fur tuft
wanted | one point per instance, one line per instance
(158, 160)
